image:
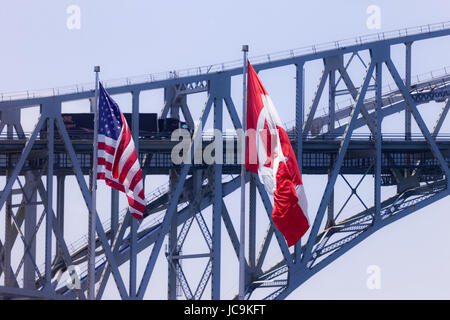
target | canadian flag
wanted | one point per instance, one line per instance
(269, 154)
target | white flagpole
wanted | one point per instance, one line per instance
(93, 211)
(242, 218)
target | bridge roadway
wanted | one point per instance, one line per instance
(318, 153)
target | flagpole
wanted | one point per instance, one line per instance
(93, 211)
(242, 262)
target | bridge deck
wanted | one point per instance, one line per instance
(155, 155)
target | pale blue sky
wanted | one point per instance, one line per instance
(130, 38)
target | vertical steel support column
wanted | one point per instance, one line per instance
(8, 223)
(299, 110)
(408, 114)
(8, 281)
(217, 205)
(10, 131)
(378, 140)
(171, 246)
(408, 86)
(331, 101)
(330, 208)
(172, 236)
(134, 223)
(49, 215)
(60, 188)
(114, 213)
(29, 274)
(299, 118)
(331, 126)
(337, 165)
(92, 105)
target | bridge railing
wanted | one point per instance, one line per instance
(203, 70)
(438, 76)
(290, 130)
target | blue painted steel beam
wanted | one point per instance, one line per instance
(173, 202)
(134, 223)
(330, 185)
(27, 293)
(315, 103)
(422, 126)
(300, 59)
(299, 119)
(441, 118)
(300, 275)
(217, 206)
(378, 140)
(48, 219)
(115, 245)
(21, 162)
(268, 206)
(408, 57)
(87, 198)
(57, 230)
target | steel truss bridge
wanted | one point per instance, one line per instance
(327, 144)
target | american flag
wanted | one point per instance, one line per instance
(117, 160)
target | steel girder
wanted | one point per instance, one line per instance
(181, 207)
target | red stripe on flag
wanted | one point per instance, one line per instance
(135, 204)
(115, 185)
(103, 162)
(127, 166)
(106, 148)
(137, 216)
(124, 141)
(137, 177)
(109, 182)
